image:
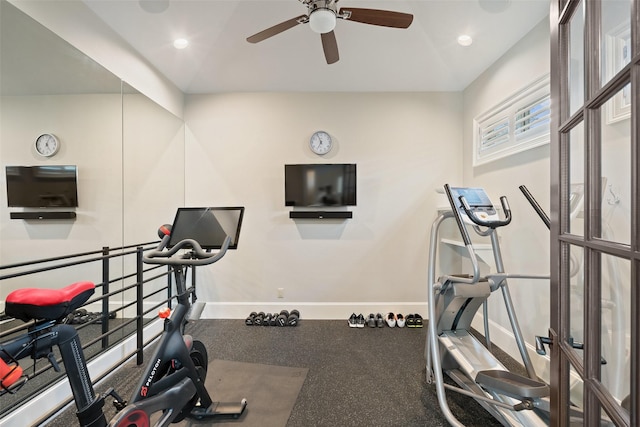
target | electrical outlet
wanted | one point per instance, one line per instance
(280, 292)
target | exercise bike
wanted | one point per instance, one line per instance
(453, 301)
(172, 387)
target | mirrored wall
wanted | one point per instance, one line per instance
(128, 152)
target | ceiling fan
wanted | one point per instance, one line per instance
(322, 16)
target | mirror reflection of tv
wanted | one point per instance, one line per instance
(320, 185)
(47, 186)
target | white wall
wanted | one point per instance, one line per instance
(405, 145)
(87, 127)
(525, 242)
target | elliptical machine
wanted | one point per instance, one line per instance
(453, 301)
(172, 387)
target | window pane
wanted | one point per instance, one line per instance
(533, 119)
(616, 46)
(576, 394)
(576, 180)
(616, 168)
(576, 60)
(576, 295)
(616, 325)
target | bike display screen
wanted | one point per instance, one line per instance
(208, 226)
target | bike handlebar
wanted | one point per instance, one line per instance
(197, 255)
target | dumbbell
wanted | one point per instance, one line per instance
(259, 319)
(288, 319)
(251, 319)
(293, 318)
(266, 321)
(273, 320)
(281, 320)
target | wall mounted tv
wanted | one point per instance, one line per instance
(42, 186)
(320, 185)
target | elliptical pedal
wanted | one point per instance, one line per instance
(512, 384)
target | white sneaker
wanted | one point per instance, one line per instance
(391, 320)
(401, 321)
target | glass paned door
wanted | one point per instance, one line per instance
(595, 238)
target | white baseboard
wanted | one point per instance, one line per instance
(311, 310)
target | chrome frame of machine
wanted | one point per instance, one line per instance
(453, 302)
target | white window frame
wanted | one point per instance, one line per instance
(488, 148)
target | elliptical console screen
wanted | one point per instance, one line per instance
(207, 226)
(475, 197)
(478, 202)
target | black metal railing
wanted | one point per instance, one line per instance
(101, 330)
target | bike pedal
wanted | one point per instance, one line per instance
(118, 402)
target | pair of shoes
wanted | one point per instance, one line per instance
(356, 321)
(395, 320)
(414, 321)
(375, 321)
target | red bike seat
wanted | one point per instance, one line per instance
(47, 304)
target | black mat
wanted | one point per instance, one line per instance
(271, 391)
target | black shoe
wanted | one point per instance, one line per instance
(417, 319)
(353, 321)
(411, 321)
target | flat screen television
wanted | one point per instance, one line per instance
(42, 186)
(320, 185)
(209, 226)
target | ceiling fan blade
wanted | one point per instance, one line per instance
(330, 47)
(384, 18)
(277, 29)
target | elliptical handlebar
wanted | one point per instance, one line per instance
(196, 256)
(487, 223)
(536, 206)
(463, 231)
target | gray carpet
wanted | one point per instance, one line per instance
(355, 377)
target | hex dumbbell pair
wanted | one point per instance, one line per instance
(288, 319)
(261, 319)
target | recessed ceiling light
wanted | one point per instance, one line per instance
(154, 6)
(465, 40)
(494, 6)
(180, 43)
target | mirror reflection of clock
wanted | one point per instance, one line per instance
(47, 145)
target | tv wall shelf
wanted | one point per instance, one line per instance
(43, 215)
(321, 214)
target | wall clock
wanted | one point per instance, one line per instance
(47, 145)
(320, 142)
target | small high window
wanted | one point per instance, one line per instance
(518, 123)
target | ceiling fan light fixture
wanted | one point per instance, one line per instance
(322, 20)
